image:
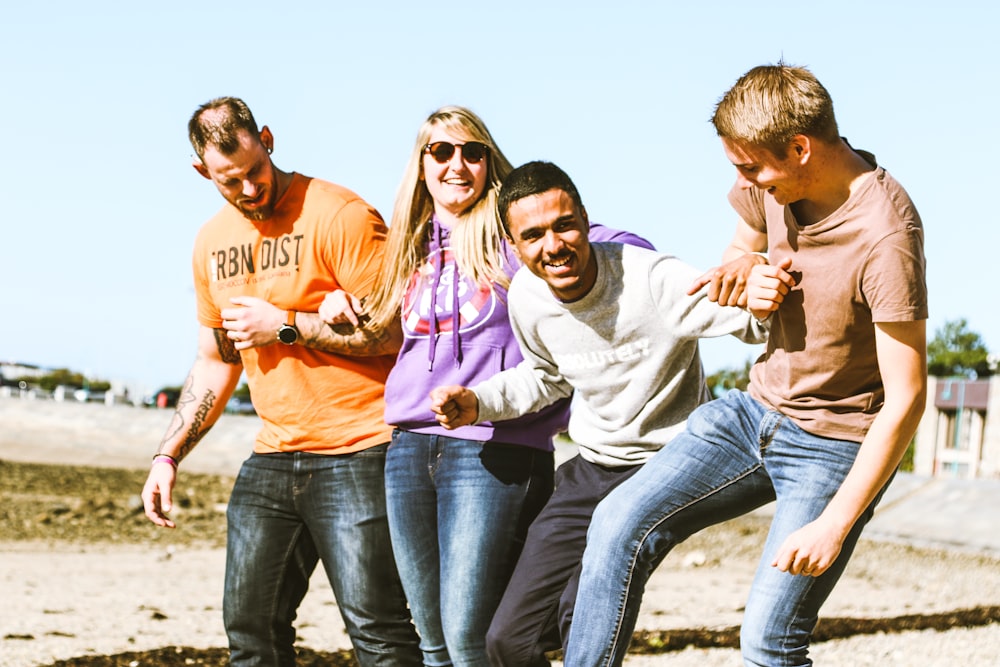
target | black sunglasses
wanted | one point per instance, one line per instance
(472, 151)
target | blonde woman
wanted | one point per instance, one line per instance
(459, 501)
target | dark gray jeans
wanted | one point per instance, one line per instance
(290, 510)
(537, 607)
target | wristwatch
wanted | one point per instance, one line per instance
(287, 333)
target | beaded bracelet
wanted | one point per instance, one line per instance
(165, 457)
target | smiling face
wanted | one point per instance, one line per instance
(782, 177)
(246, 178)
(550, 238)
(457, 184)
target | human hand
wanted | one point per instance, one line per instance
(727, 283)
(157, 492)
(767, 286)
(454, 406)
(253, 323)
(340, 307)
(809, 551)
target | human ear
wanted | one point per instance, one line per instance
(267, 139)
(510, 240)
(200, 167)
(801, 148)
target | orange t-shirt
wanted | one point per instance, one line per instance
(320, 238)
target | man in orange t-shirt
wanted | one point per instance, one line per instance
(313, 488)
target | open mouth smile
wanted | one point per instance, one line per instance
(559, 262)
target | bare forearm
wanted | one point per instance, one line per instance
(347, 339)
(745, 240)
(878, 457)
(733, 252)
(902, 359)
(208, 386)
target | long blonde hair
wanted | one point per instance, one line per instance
(476, 239)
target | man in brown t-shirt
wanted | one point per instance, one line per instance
(832, 404)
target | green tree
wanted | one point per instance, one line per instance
(242, 392)
(66, 378)
(955, 350)
(61, 376)
(723, 380)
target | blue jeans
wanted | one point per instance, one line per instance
(458, 513)
(286, 512)
(734, 456)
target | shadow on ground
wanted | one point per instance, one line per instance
(643, 643)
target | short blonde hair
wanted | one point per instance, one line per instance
(477, 238)
(770, 104)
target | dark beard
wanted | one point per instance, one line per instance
(259, 214)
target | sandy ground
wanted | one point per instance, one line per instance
(67, 601)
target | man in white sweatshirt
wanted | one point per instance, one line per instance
(615, 326)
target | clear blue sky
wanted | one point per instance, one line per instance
(101, 205)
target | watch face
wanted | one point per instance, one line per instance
(287, 334)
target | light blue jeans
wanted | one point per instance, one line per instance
(458, 513)
(289, 510)
(734, 456)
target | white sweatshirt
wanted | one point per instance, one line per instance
(628, 349)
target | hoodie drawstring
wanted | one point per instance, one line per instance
(456, 322)
(438, 266)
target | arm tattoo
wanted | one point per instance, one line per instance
(192, 433)
(225, 347)
(197, 429)
(346, 338)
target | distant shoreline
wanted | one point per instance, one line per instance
(75, 433)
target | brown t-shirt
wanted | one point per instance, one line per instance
(862, 264)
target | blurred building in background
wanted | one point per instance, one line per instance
(959, 435)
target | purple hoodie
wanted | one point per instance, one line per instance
(435, 354)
